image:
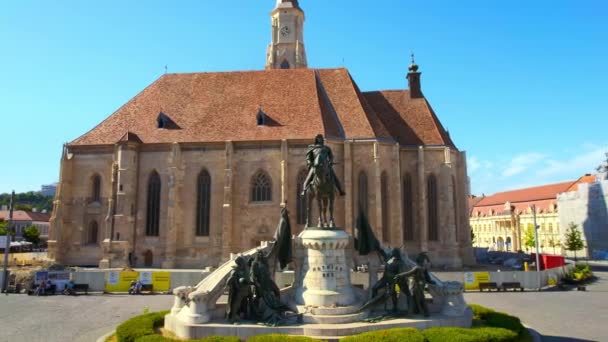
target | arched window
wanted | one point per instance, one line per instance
(203, 203)
(300, 200)
(153, 210)
(432, 210)
(363, 192)
(93, 233)
(261, 187)
(384, 203)
(285, 65)
(408, 208)
(96, 189)
(455, 204)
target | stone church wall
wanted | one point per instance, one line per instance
(236, 222)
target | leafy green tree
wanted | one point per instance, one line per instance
(24, 207)
(529, 237)
(3, 228)
(573, 240)
(31, 234)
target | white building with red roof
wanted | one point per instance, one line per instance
(197, 165)
(500, 221)
(23, 219)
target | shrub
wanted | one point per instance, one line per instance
(469, 335)
(502, 320)
(139, 326)
(159, 338)
(280, 338)
(480, 312)
(497, 319)
(389, 335)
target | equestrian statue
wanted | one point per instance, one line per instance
(321, 182)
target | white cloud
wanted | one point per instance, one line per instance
(533, 168)
(521, 163)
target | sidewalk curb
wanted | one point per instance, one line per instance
(104, 337)
(536, 336)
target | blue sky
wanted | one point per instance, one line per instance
(520, 85)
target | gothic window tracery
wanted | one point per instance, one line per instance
(432, 208)
(203, 203)
(261, 187)
(408, 208)
(153, 205)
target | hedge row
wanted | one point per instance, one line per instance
(491, 326)
(390, 335)
(142, 329)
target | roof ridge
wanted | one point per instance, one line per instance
(439, 126)
(119, 108)
(369, 111)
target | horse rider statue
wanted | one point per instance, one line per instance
(321, 180)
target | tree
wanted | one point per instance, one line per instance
(529, 237)
(4, 226)
(24, 207)
(31, 234)
(472, 238)
(573, 240)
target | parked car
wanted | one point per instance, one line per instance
(495, 260)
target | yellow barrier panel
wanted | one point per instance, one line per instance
(472, 279)
(161, 281)
(120, 281)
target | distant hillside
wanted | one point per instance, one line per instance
(28, 200)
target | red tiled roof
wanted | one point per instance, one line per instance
(585, 179)
(473, 201)
(410, 121)
(300, 103)
(536, 193)
(21, 215)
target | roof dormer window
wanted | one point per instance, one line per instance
(261, 118)
(163, 121)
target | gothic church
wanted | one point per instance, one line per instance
(197, 165)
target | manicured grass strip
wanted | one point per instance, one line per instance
(469, 335)
(389, 335)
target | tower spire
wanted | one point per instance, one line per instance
(286, 49)
(413, 80)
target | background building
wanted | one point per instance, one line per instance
(197, 165)
(23, 219)
(586, 206)
(500, 221)
(48, 190)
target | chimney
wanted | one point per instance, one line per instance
(413, 80)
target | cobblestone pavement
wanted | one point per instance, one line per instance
(557, 315)
(66, 318)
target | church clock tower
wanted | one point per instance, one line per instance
(286, 51)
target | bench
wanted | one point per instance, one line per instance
(515, 285)
(488, 286)
(48, 291)
(81, 288)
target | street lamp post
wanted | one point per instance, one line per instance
(7, 247)
(536, 245)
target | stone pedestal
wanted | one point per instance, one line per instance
(324, 272)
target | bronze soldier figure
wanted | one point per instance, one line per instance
(239, 291)
(321, 182)
(319, 149)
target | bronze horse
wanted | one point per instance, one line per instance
(323, 189)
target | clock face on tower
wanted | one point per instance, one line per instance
(285, 31)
